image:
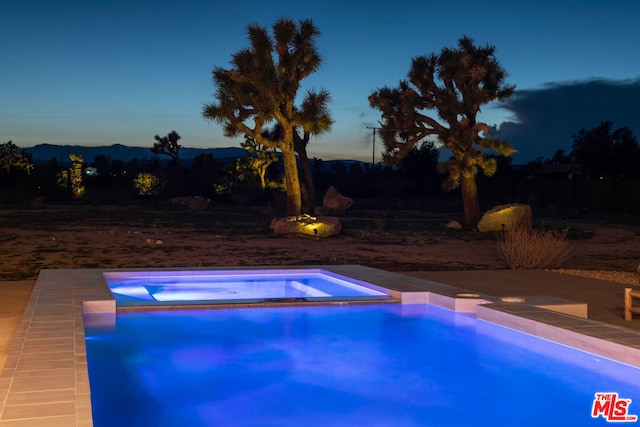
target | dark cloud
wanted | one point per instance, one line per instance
(546, 119)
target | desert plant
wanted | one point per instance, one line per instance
(259, 159)
(62, 179)
(72, 178)
(75, 176)
(260, 91)
(441, 98)
(525, 248)
(11, 158)
(168, 145)
(147, 184)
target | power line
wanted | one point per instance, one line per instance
(373, 157)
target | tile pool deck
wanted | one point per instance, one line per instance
(45, 378)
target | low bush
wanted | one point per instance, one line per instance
(147, 184)
(525, 248)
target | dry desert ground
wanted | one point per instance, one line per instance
(157, 236)
(606, 249)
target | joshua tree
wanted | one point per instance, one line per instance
(11, 158)
(453, 84)
(260, 89)
(259, 159)
(168, 145)
(75, 176)
(317, 120)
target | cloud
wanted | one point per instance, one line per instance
(546, 119)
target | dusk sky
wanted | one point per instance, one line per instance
(119, 72)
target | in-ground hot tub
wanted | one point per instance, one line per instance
(149, 288)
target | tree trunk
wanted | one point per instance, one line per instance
(294, 201)
(470, 201)
(308, 179)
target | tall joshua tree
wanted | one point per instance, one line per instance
(260, 89)
(316, 120)
(454, 85)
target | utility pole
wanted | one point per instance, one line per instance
(373, 157)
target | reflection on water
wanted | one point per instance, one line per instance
(374, 365)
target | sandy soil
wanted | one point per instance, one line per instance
(113, 237)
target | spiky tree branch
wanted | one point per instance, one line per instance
(168, 145)
(260, 88)
(10, 157)
(454, 85)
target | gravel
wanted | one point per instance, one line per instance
(626, 277)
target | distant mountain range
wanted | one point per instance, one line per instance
(45, 152)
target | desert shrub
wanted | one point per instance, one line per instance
(525, 248)
(147, 184)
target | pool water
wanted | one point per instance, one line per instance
(373, 365)
(210, 287)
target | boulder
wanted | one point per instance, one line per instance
(334, 203)
(307, 225)
(506, 217)
(453, 224)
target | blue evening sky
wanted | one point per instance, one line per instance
(95, 72)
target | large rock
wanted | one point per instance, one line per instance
(306, 225)
(506, 217)
(334, 203)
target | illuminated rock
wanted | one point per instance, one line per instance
(306, 225)
(506, 217)
(334, 203)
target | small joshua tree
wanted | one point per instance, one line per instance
(11, 158)
(259, 159)
(168, 145)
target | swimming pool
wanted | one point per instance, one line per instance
(373, 365)
(141, 288)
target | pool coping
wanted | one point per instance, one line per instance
(45, 378)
